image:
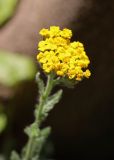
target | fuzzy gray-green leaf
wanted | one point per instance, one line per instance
(32, 131)
(40, 83)
(67, 82)
(52, 100)
(38, 143)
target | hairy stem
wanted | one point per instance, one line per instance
(43, 98)
(38, 115)
(28, 153)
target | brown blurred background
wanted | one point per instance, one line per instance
(83, 122)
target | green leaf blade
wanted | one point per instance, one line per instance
(50, 103)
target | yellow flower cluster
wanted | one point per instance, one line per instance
(59, 55)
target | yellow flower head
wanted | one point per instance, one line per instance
(57, 54)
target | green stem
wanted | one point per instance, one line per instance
(43, 99)
(38, 115)
(29, 149)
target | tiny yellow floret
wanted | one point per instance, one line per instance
(58, 54)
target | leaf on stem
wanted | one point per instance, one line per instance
(67, 83)
(39, 142)
(51, 101)
(40, 83)
(32, 130)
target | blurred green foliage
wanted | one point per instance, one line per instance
(7, 8)
(15, 68)
(3, 121)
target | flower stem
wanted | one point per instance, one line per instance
(43, 98)
(38, 115)
(28, 149)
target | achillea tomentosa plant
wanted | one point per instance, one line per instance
(63, 62)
